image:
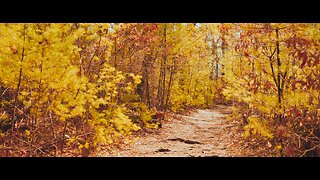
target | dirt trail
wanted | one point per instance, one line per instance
(203, 133)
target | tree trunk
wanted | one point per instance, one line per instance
(172, 72)
(19, 79)
(115, 53)
(162, 77)
(278, 67)
(217, 68)
(144, 86)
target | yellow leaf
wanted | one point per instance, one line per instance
(86, 145)
(278, 147)
(27, 132)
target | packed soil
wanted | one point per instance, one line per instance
(201, 133)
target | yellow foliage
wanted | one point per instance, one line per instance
(257, 126)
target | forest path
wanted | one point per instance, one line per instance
(202, 133)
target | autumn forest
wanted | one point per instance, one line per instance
(89, 89)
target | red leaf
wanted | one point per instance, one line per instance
(290, 151)
(304, 58)
(246, 54)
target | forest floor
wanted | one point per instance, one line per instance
(201, 133)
